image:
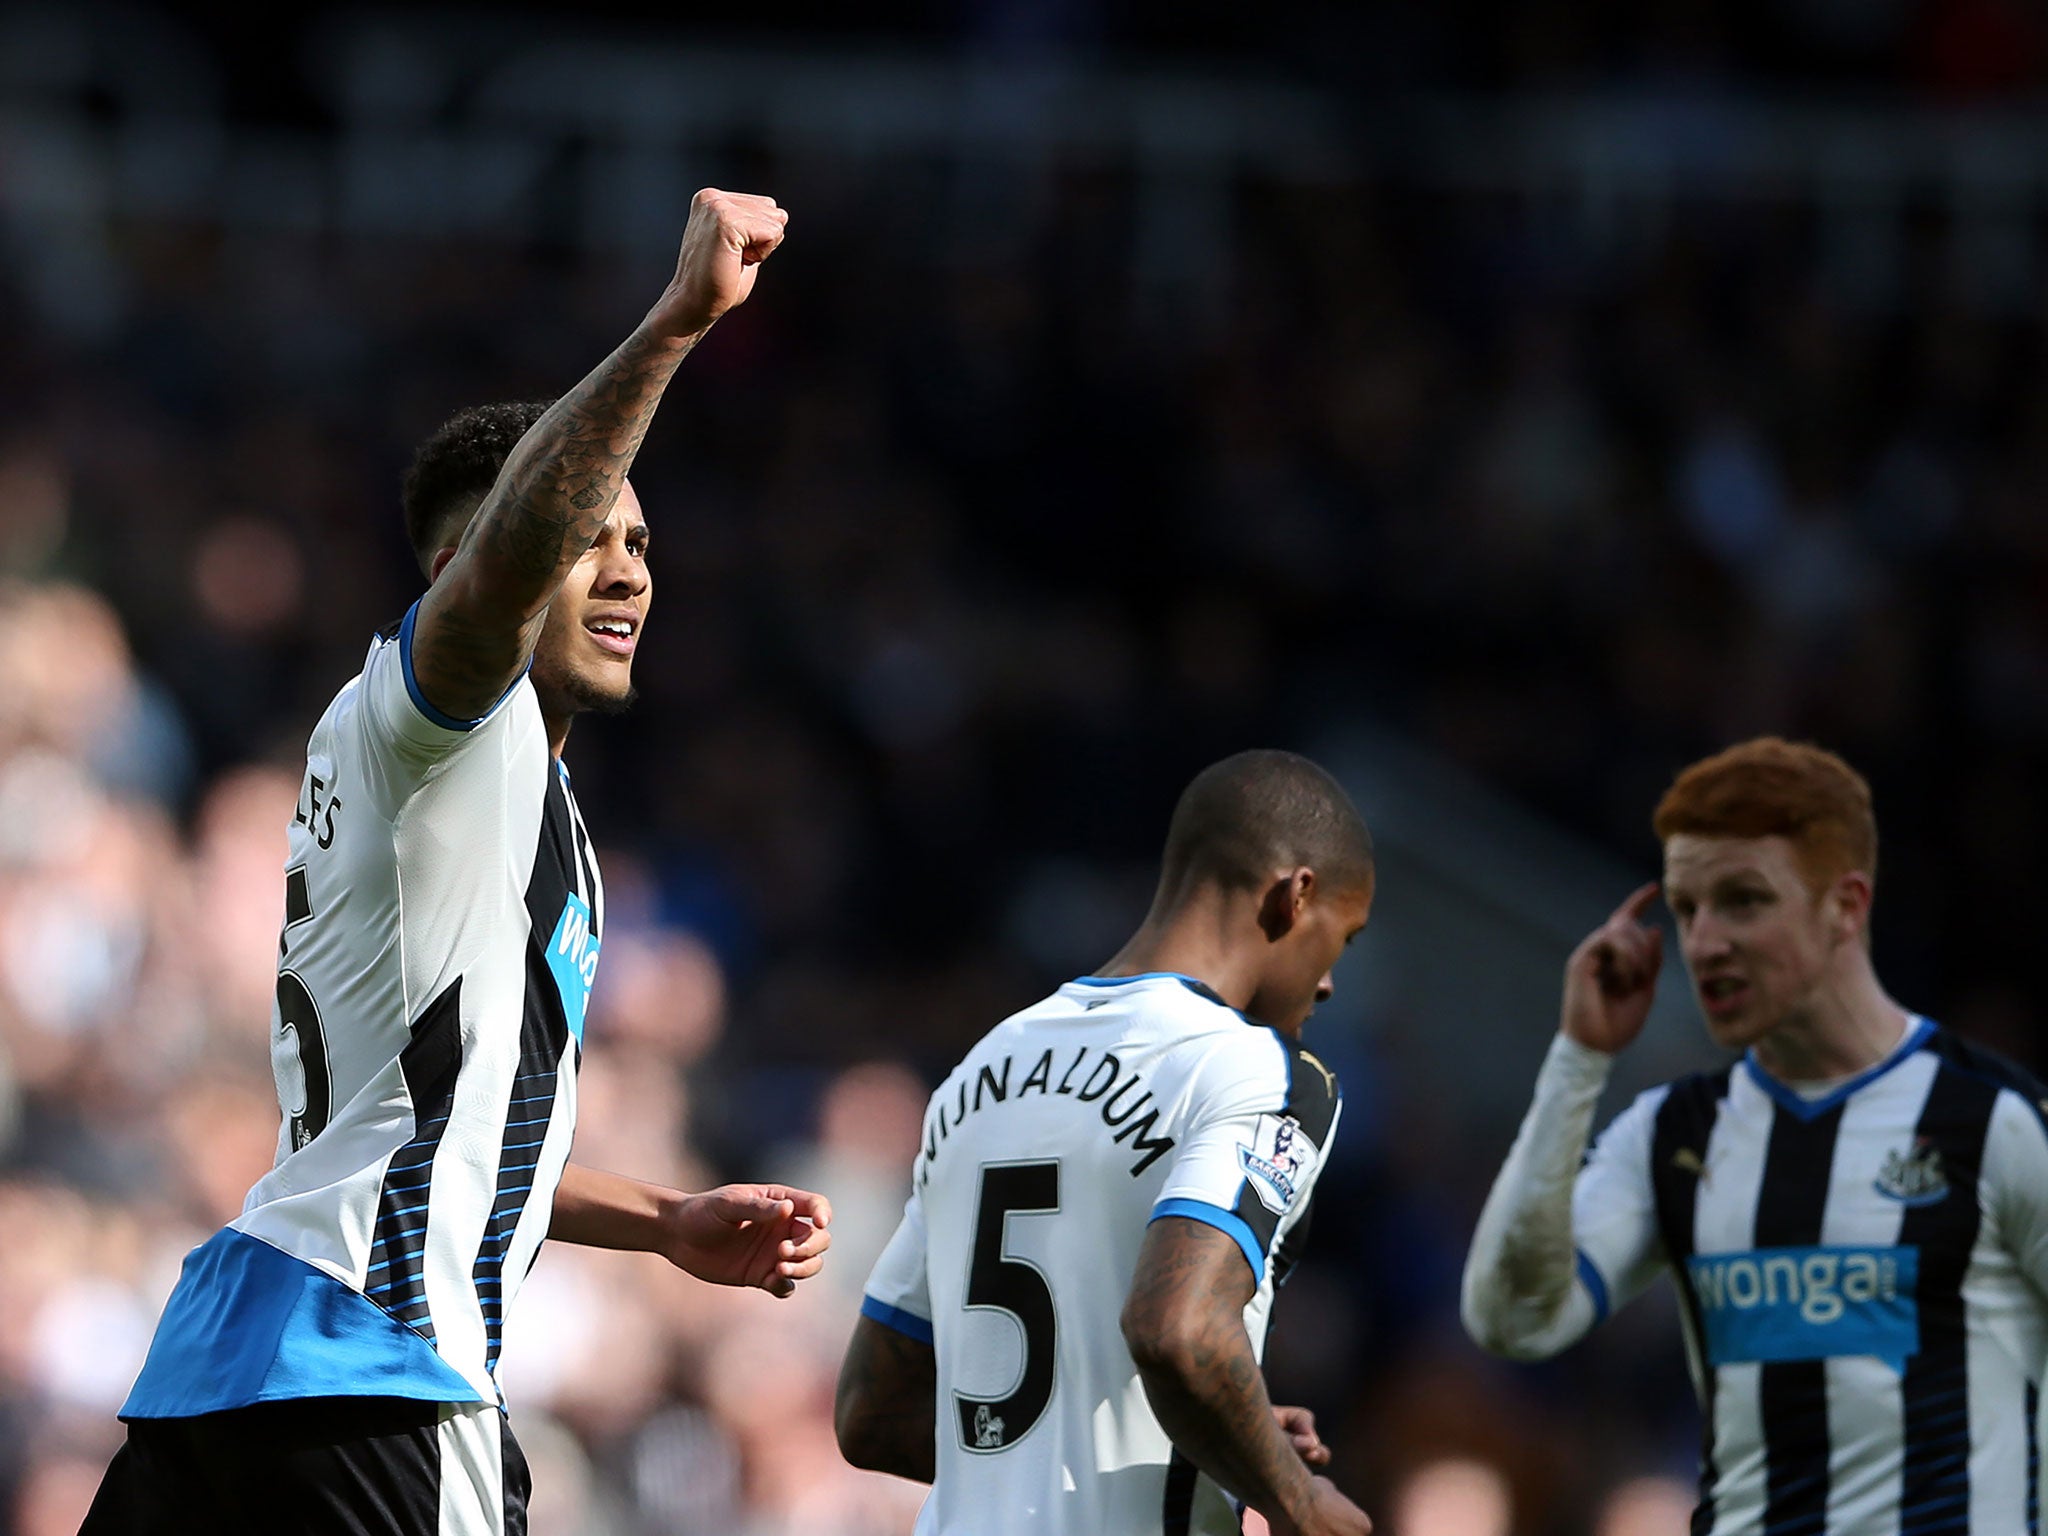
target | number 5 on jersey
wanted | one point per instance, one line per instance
(298, 1025)
(1017, 1287)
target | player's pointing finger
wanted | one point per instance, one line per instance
(1638, 904)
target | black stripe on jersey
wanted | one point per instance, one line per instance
(1792, 1395)
(515, 1478)
(2033, 1460)
(1961, 1056)
(1311, 1102)
(1293, 1245)
(1177, 1508)
(543, 1037)
(586, 857)
(1934, 1499)
(431, 1061)
(1678, 1157)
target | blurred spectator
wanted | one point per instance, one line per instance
(1452, 1498)
(1648, 1506)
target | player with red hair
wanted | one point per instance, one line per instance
(1855, 1214)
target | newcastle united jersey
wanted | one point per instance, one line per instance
(1063, 1133)
(1862, 1283)
(442, 922)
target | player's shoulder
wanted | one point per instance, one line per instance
(1708, 1086)
(1955, 1054)
(1258, 1061)
(1690, 1102)
(1313, 1093)
(395, 716)
(1982, 1065)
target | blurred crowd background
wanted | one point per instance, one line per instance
(1560, 391)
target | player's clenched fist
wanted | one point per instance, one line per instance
(1611, 977)
(728, 237)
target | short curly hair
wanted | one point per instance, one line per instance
(455, 468)
(1770, 787)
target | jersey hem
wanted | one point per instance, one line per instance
(250, 1322)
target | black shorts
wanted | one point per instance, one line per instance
(330, 1466)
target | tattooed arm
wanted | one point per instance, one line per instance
(478, 622)
(886, 1413)
(1184, 1324)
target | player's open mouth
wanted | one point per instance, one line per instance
(1723, 995)
(617, 635)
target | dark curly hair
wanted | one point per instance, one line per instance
(454, 470)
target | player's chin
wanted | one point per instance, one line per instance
(1739, 1030)
(604, 693)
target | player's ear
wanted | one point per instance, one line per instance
(440, 563)
(1284, 901)
(1849, 899)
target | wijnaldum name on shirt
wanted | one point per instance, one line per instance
(1092, 1076)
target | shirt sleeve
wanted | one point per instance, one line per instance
(1617, 1248)
(898, 1293)
(398, 715)
(1560, 1245)
(1261, 1120)
(2016, 1169)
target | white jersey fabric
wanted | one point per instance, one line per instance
(1060, 1136)
(1862, 1276)
(443, 917)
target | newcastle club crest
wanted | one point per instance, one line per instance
(1915, 1177)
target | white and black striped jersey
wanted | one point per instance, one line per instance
(1862, 1281)
(1063, 1133)
(442, 923)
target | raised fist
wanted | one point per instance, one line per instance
(728, 237)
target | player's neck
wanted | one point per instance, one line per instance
(1851, 1027)
(1196, 941)
(558, 731)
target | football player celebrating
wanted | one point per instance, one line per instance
(328, 1361)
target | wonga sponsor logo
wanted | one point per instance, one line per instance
(1808, 1303)
(572, 959)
